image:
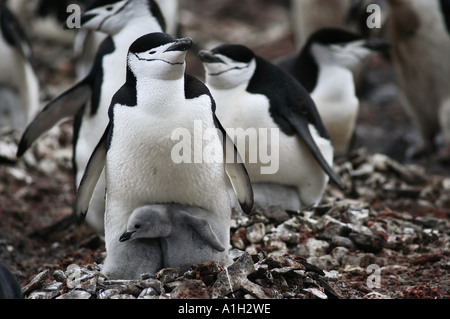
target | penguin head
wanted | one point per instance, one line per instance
(110, 16)
(158, 55)
(228, 65)
(149, 221)
(333, 46)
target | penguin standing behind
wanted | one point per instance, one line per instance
(325, 68)
(19, 85)
(252, 93)
(87, 42)
(89, 99)
(418, 32)
(158, 104)
(308, 16)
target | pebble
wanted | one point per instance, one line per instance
(256, 232)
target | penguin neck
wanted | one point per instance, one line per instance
(161, 92)
(334, 82)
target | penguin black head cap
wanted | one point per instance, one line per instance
(334, 36)
(151, 40)
(235, 52)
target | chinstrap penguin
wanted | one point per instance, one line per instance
(19, 84)
(88, 100)
(137, 148)
(325, 67)
(188, 235)
(252, 93)
(419, 34)
(87, 41)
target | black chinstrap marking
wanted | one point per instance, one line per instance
(150, 60)
(235, 68)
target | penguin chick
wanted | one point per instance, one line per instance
(88, 100)
(140, 148)
(189, 235)
(130, 259)
(253, 97)
(18, 80)
(325, 68)
(420, 49)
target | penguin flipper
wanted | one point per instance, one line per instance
(66, 105)
(90, 178)
(203, 228)
(300, 124)
(236, 171)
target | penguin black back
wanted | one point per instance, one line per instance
(282, 88)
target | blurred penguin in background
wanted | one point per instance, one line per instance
(19, 85)
(419, 33)
(87, 42)
(308, 16)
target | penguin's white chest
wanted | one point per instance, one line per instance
(143, 163)
(337, 105)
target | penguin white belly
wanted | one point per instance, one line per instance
(337, 105)
(140, 168)
(339, 117)
(295, 164)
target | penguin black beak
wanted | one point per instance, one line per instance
(377, 44)
(127, 235)
(209, 57)
(85, 17)
(183, 44)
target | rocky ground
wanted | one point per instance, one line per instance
(386, 236)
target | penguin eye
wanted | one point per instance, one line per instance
(109, 8)
(137, 226)
(152, 52)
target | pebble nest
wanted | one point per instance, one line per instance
(351, 246)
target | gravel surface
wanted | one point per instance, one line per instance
(385, 237)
